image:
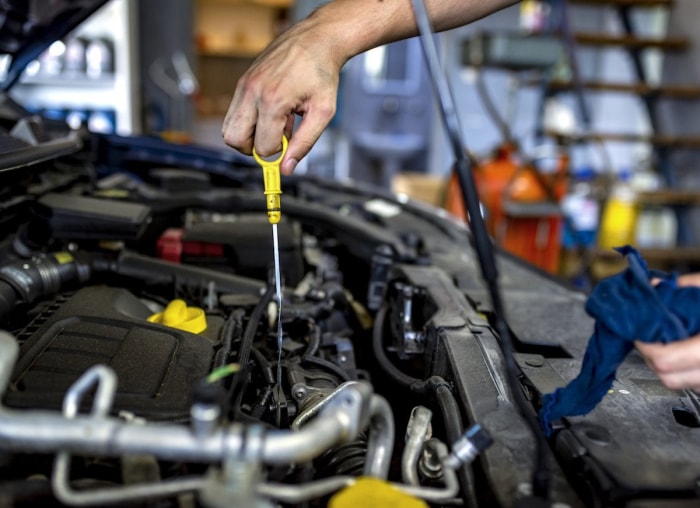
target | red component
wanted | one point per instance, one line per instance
(170, 246)
(203, 249)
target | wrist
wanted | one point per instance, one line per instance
(345, 28)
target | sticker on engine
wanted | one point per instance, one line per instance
(63, 257)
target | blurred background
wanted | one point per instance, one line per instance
(579, 115)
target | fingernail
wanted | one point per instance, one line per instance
(288, 166)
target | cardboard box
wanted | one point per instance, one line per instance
(421, 187)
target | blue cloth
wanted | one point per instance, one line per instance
(626, 307)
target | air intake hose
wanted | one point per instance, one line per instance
(27, 280)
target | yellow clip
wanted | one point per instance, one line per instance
(178, 315)
(273, 186)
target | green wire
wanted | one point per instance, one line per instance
(222, 372)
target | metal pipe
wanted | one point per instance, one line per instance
(116, 495)
(381, 438)
(100, 435)
(294, 494)
(106, 381)
(9, 350)
(449, 478)
(46, 432)
(309, 413)
(416, 433)
(381, 428)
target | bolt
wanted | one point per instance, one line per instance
(534, 362)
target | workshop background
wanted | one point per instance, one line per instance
(579, 115)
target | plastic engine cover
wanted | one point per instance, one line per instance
(156, 365)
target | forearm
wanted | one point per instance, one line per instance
(297, 74)
(354, 26)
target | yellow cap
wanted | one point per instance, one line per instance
(178, 315)
(370, 492)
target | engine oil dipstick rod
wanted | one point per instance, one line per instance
(273, 193)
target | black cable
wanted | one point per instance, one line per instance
(451, 416)
(264, 365)
(378, 349)
(251, 327)
(482, 244)
(328, 366)
(246, 345)
(314, 339)
(454, 427)
(231, 328)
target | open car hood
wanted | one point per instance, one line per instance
(28, 27)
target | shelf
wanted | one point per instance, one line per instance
(631, 42)
(239, 52)
(683, 92)
(625, 3)
(651, 255)
(669, 197)
(105, 81)
(658, 140)
(281, 4)
(117, 92)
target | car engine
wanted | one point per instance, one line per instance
(139, 362)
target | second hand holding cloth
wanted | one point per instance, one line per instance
(273, 193)
(626, 308)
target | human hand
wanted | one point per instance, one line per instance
(296, 75)
(677, 364)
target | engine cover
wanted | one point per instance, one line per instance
(156, 365)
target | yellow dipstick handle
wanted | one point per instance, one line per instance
(273, 187)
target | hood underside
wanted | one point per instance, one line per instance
(27, 28)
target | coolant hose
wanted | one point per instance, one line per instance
(454, 428)
(378, 349)
(443, 393)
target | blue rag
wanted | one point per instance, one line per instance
(626, 307)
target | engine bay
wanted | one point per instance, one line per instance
(140, 354)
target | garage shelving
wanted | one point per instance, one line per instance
(114, 93)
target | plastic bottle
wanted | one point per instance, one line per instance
(582, 210)
(657, 226)
(534, 15)
(619, 218)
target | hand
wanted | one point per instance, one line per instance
(677, 364)
(296, 75)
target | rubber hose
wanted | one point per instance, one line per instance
(378, 349)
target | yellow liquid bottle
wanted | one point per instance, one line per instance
(619, 219)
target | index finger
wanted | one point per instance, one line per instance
(238, 129)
